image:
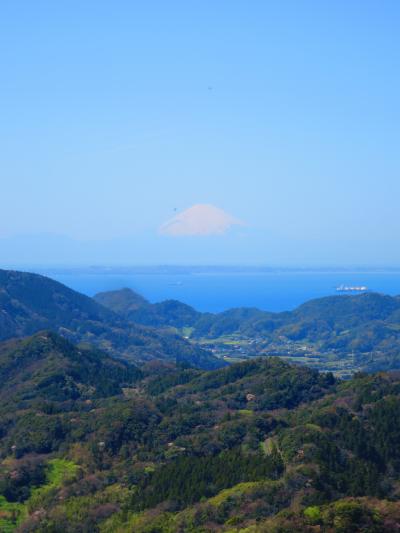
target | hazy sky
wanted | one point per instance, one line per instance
(286, 114)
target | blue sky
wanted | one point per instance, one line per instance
(285, 114)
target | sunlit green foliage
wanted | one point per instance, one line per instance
(258, 446)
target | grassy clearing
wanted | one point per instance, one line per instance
(187, 332)
(235, 491)
(58, 471)
(12, 514)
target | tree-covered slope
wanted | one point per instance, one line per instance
(257, 446)
(259, 384)
(30, 303)
(132, 306)
(339, 467)
(47, 367)
(320, 319)
(122, 301)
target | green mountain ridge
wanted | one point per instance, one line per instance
(363, 327)
(132, 306)
(30, 303)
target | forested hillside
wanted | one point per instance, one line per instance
(88, 444)
(30, 303)
(133, 306)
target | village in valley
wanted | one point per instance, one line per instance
(234, 348)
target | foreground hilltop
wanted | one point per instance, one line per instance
(47, 367)
(30, 303)
(361, 330)
(259, 446)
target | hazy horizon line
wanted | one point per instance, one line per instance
(104, 268)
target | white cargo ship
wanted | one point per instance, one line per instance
(352, 288)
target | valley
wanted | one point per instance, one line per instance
(235, 348)
(342, 334)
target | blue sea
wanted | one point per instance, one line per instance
(218, 291)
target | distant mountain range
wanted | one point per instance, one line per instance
(364, 326)
(30, 303)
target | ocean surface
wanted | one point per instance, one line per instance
(217, 291)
